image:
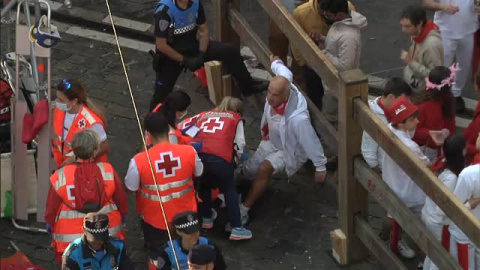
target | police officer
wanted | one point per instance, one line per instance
(188, 228)
(96, 249)
(202, 257)
(177, 47)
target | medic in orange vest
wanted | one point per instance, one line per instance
(174, 165)
(75, 112)
(174, 108)
(63, 216)
(222, 133)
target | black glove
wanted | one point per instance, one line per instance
(195, 62)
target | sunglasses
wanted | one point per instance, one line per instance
(65, 84)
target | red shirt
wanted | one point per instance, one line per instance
(471, 134)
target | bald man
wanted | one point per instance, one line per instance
(289, 139)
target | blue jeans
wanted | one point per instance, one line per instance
(218, 173)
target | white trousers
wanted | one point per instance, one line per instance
(472, 262)
(436, 229)
(461, 52)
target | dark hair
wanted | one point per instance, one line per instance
(74, 89)
(453, 150)
(334, 6)
(156, 124)
(436, 76)
(416, 15)
(176, 101)
(397, 87)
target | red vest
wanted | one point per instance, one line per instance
(69, 223)
(173, 165)
(217, 131)
(85, 119)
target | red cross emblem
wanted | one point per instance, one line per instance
(185, 123)
(212, 125)
(168, 164)
(82, 123)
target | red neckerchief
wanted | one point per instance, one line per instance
(429, 26)
(280, 109)
(385, 111)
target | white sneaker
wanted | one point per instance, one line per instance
(405, 250)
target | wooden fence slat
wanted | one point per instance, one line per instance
(407, 220)
(419, 173)
(312, 54)
(377, 246)
(213, 69)
(352, 198)
(226, 85)
(223, 31)
(252, 40)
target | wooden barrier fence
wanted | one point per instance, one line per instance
(356, 179)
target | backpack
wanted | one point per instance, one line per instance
(5, 95)
(89, 189)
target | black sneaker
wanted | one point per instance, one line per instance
(459, 105)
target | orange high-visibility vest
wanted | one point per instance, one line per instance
(62, 148)
(173, 165)
(69, 223)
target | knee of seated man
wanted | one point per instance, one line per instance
(266, 168)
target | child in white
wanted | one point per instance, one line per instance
(404, 121)
(432, 216)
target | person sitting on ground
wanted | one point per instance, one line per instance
(202, 257)
(310, 17)
(187, 227)
(222, 134)
(432, 216)
(426, 51)
(96, 249)
(436, 112)
(404, 121)
(473, 129)
(289, 139)
(342, 45)
(70, 196)
(74, 112)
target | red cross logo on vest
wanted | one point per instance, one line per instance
(168, 164)
(212, 125)
(186, 123)
(82, 123)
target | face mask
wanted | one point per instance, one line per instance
(62, 106)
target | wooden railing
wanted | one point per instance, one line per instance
(356, 180)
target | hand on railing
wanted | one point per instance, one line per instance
(472, 203)
(320, 177)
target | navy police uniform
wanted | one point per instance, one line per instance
(179, 27)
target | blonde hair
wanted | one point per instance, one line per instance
(85, 143)
(231, 104)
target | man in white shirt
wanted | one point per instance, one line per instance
(458, 22)
(289, 139)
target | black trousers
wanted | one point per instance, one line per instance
(168, 70)
(154, 239)
(314, 86)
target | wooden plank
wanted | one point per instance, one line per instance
(223, 30)
(315, 58)
(370, 239)
(226, 85)
(352, 198)
(339, 245)
(407, 220)
(213, 69)
(19, 157)
(252, 40)
(419, 173)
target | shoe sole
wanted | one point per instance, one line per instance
(236, 238)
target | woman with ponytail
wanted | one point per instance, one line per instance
(75, 112)
(436, 111)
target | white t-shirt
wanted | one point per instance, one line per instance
(97, 127)
(274, 130)
(460, 24)
(431, 211)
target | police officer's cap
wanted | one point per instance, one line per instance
(96, 227)
(202, 255)
(187, 222)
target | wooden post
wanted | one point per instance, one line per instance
(226, 85)
(352, 197)
(223, 30)
(213, 69)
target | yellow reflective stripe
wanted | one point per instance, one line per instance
(106, 176)
(88, 116)
(61, 181)
(166, 198)
(168, 186)
(75, 214)
(71, 237)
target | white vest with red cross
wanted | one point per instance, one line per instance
(217, 131)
